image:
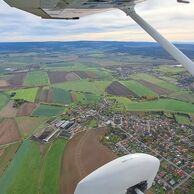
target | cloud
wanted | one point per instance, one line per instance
(173, 20)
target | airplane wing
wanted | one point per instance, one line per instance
(69, 9)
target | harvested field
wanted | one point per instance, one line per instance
(117, 89)
(155, 88)
(92, 75)
(8, 111)
(26, 109)
(57, 76)
(71, 76)
(9, 131)
(28, 124)
(79, 159)
(81, 74)
(3, 84)
(46, 96)
(17, 80)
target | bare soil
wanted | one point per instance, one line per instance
(3, 83)
(57, 76)
(81, 74)
(9, 131)
(82, 155)
(71, 77)
(26, 109)
(155, 88)
(8, 111)
(17, 80)
(117, 89)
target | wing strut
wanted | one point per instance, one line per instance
(169, 47)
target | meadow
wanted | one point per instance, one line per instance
(138, 88)
(3, 100)
(47, 110)
(28, 94)
(168, 105)
(96, 87)
(183, 119)
(36, 78)
(161, 83)
(61, 96)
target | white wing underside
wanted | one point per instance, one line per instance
(69, 9)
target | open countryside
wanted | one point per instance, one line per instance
(101, 94)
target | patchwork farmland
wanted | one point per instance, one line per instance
(26, 109)
(17, 80)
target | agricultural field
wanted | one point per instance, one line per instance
(27, 162)
(47, 110)
(96, 87)
(152, 79)
(3, 100)
(61, 96)
(36, 78)
(138, 88)
(170, 69)
(27, 125)
(17, 80)
(43, 164)
(168, 105)
(8, 111)
(26, 109)
(51, 169)
(183, 119)
(118, 89)
(9, 132)
(6, 155)
(85, 98)
(28, 94)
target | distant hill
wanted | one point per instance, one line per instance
(147, 49)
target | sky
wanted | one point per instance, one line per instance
(175, 21)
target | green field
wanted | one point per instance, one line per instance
(138, 88)
(183, 119)
(24, 174)
(96, 87)
(61, 96)
(47, 110)
(21, 175)
(3, 100)
(86, 98)
(168, 105)
(28, 94)
(161, 83)
(7, 156)
(52, 168)
(170, 69)
(36, 78)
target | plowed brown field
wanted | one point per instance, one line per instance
(17, 80)
(9, 131)
(8, 111)
(117, 89)
(83, 154)
(26, 109)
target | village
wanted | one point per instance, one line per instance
(146, 132)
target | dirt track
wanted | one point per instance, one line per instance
(83, 154)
